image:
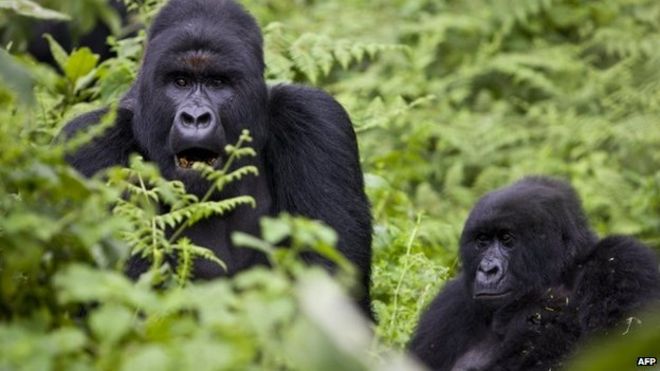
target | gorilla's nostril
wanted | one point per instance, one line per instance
(187, 118)
(492, 272)
(489, 268)
(204, 119)
(196, 117)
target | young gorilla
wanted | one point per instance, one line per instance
(201, 84)
(535, 280)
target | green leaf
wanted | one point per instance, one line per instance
(275, 230)
(16, 77)
(32, 9)
(246, 240)
(80, 64)
(66, 340)
(150, 357)
(59, 54)
(111, 322)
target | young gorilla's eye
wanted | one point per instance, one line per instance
(482, 240)
(506, 238)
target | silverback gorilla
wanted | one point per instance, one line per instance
(535, 282)
(201, 83)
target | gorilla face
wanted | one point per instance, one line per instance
(200, 85)
(521, 239)
(492, 280)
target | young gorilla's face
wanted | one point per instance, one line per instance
(492, 279)
(518, 240)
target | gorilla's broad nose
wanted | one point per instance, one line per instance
(196, 116)
(490, 270)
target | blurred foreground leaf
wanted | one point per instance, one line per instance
(16, 77)
(31, 9)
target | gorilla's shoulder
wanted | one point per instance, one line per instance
(313, 108)
(623, 259)
(111, 147)
(122, 121)
(452, 302)
(620, 278)
(83, 122)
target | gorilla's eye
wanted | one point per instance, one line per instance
(181, 82)
(216, 82)
(506, 238)
(482, 240)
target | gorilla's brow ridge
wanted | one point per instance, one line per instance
(198, 60)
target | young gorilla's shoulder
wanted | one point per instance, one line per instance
(620, 277)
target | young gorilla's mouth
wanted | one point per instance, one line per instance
(185, 159)
(491, 295)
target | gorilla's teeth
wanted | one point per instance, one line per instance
(186, 163)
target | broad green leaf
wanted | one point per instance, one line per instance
(16, 77)
(275, 230)
(31, 9)
(59, 54)
(80, 64)
(111, 322)
(149, 357)
(67, 340)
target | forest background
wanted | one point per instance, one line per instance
(450, 99)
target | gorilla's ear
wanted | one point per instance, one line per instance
(129, 101)
(575, 231)
(128, 104)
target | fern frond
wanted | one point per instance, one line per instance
(184, 261)
(511, 12)
(185, 246)
(222, 180)
(312, 55)
(629, 42)
(238, 152)
(194, 213)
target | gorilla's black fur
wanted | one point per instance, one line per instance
(201, 83)
(535, 282)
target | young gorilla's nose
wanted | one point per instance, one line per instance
(490, 270)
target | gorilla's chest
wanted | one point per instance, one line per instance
(215, 233)
(478, 356)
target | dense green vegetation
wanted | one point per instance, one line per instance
(449, 98)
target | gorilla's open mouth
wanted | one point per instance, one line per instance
(185, 159)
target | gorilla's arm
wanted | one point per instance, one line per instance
(618, 279)
(541, 333)
(112, 147)
(312, 156)
(448, 327)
